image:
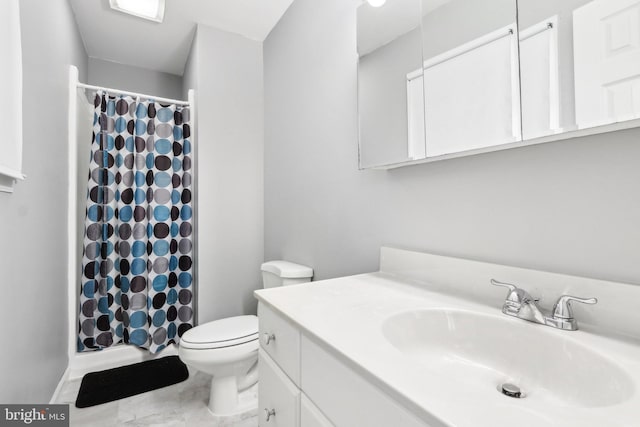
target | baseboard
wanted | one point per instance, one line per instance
(56, 392)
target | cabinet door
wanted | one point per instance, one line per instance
(281, 340)
(279, 398)
(346, 398)
(310, 415)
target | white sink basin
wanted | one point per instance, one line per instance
(482, 350)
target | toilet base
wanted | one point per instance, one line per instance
(226, 390)
(230, 368)
(241, 406)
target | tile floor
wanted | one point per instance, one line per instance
(179, 405)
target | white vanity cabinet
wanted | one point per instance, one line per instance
(310, 415)
(279, 397)
(279, 371)
(280, 340)
(281, 402)
(345, 396)
(303, 384)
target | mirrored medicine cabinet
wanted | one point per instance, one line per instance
(447, 78)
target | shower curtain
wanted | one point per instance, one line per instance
(137, 281)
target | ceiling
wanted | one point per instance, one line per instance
(115, 36)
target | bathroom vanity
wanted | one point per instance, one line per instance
(423, 342)
(296, 370)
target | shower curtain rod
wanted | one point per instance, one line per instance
(141, 95)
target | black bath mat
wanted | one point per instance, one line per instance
(118, 383)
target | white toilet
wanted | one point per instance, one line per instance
(228, 348)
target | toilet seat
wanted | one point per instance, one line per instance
(228, 332)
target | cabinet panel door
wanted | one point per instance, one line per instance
(310, 415)
(281, 340)
(279, 398)
(346, 398)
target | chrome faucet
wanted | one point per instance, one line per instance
(523, 306)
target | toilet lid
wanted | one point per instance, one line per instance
(222, 333)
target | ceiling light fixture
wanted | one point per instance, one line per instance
(153, 10)
(376, 3)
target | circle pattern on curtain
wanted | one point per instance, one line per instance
(137, 281)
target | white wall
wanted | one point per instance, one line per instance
(569, 207)
(33, 234)
(134, 79)
(226, 71)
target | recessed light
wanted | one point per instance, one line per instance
(152, 10)
(376, 3)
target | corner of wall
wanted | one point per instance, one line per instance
(190, 75)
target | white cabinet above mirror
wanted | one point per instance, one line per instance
(492, 74)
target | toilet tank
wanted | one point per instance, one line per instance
(283, 273)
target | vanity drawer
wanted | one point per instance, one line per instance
(281, 340)
(279, 398)
(310, 415)
(346, 398)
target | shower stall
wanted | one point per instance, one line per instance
(80, 125)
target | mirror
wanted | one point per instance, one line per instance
(389, 105)
(446, 78)
(471, 75)
(580, 62)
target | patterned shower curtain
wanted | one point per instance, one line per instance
(138, 243)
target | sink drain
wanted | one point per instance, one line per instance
(511, 390)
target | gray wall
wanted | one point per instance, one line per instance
(33, 232)
(569, 207)
(134, 79)
(190, 76)
(226, 72)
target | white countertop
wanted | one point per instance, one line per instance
(345, 316)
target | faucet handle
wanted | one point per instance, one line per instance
(562, 308)
(511, 287)
(516, 294)
(515, 298)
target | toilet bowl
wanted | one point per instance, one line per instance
(227, 348)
